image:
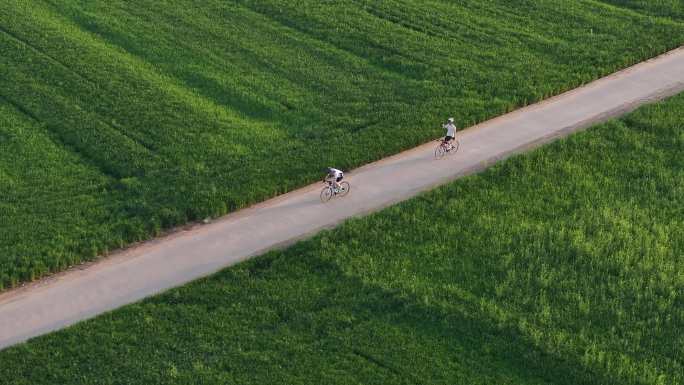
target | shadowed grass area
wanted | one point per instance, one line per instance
(179, 111)
(561, 266)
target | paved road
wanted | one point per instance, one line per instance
(157, 265)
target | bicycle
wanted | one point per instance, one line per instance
(330, 192)
(445, 148)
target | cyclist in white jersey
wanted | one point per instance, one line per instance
(451, 131)
(334, 177)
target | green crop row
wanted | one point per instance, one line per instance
(561, 266)
(669, 9)
(185, 110)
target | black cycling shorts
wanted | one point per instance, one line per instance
(448, 138)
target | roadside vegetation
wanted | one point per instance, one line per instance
(121, 119)
(561, 266)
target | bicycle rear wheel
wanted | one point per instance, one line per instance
(326, 194)
(344, 188)
(440, 151)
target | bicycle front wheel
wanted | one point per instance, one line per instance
(344, 188)
(326, 194)
(454, 147)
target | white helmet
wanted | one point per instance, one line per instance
(450, 120)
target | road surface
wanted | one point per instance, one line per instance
(183, 256)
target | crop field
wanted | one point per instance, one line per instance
(561, 266)
(673, 9)
(119, 119)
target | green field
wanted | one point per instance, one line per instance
(561, 266)
(660, 8)
(119, 119)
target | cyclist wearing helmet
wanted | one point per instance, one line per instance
(451, 131)
(334, 177)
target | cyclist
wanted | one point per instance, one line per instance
(451, 132)
(334, 177)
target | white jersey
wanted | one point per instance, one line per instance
(335, 173)
(451, 129)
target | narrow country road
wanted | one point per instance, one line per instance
(157, 265)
